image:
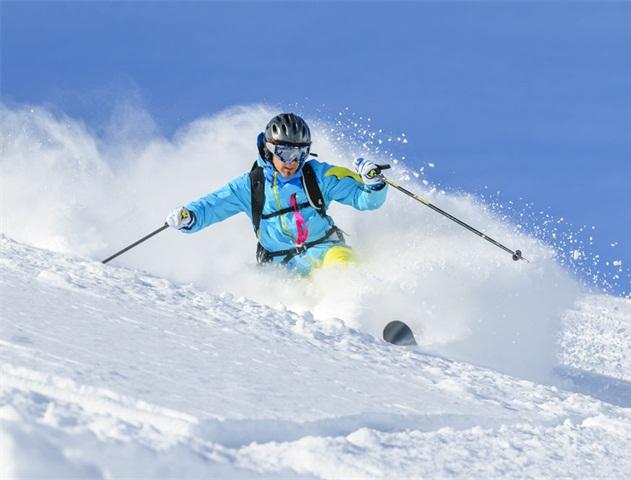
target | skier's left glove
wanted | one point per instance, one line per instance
(180, 218)
(370, 173)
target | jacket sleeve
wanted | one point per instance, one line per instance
(229, 200)
(345, 186)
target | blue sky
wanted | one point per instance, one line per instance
(530, 98)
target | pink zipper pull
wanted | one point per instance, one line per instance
(301, 225)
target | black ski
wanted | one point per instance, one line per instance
(398, 333)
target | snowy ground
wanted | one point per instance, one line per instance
(112, 372)
(108, 372)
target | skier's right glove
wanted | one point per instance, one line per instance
(180, 218)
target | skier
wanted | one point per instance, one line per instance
(286, 196)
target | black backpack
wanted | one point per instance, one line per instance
(257, 186)
(314, 199)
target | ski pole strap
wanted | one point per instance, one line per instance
(516, 255)
(129, 247)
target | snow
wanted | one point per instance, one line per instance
(89, 197)
(596, 335)
(111, 372)
(177, 361)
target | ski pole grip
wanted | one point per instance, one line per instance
(377, 171)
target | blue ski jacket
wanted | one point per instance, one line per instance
(280, 232)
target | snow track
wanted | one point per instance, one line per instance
(109, 372)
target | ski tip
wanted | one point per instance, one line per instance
(398, 333)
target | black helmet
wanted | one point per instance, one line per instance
(288, 129)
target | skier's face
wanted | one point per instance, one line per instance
(285, 169)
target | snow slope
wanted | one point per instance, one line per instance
(113, 372)
(110, 372)
(89, 195)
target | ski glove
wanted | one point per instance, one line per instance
(369, 172)
(180, 218)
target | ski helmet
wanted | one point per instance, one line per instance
(288, 129)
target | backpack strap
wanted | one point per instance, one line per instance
(312, 189)
(257, 187)
(300, 206)
(263, 256)
(315, 200)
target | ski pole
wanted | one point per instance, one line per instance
(129, 247)
(516, 255)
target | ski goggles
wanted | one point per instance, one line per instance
(289, 153)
